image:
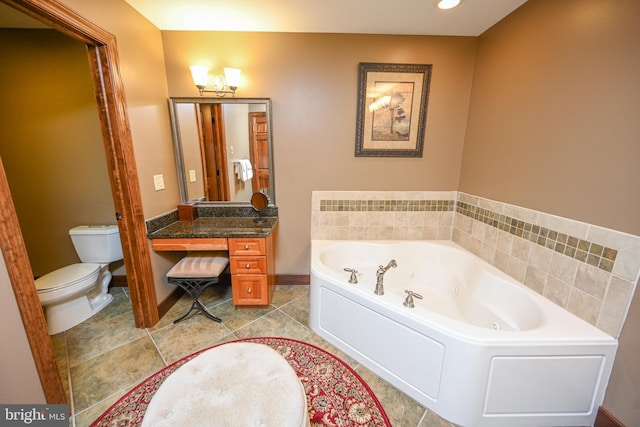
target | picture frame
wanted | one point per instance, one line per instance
(392, 109)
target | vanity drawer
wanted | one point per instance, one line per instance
(252, 270)
(247, 246)
(192, 244)
(249, 289)
(248, 265)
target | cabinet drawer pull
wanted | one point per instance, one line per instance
(248, 266)
(249, 290)
(246, 247)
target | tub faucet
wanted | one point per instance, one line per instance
(353, 278)
(380, 275)
(409, 301)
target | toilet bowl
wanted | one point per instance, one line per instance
(72, 294)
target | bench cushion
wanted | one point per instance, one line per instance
(196, 265)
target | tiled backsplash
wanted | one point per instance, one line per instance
(382, 215)
(571, 246)
(386, 205)
(589, 270)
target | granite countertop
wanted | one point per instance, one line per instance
(216, 227)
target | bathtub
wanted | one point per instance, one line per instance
(479, 348)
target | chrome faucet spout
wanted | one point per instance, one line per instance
(380, 276)
(392, 263)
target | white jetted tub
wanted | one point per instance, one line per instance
(479, 348)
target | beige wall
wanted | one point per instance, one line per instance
(142, 68)
(312, 80)
(553, 126)
(51, 143)
(623, 394)
(18, 374)
(553, 120)
(187, 115)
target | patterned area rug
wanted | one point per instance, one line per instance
(336, 394)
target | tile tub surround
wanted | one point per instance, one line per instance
(382, 215)
(589, 270)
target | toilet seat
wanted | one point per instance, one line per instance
(71, 275)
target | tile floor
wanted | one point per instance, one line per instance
(103, 358)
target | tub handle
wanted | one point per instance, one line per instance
(409, 301)
(354, 275)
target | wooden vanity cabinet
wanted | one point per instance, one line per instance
(251, 261)
(252, 265)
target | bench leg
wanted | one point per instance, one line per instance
(194, 288)
(197, 305)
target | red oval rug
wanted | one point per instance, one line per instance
(336, 394)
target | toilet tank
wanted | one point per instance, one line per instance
(97, 243)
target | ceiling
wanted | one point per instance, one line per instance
(418, 17)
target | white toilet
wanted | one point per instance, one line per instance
(74, 293)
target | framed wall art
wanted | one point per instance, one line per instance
(392, 109)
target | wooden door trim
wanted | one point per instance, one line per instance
(214, 152)
(108, 87)
(207, 153)
(15, 257)
(254, 152)
(220, 148)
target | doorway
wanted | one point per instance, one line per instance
(51, 144)
(108, 88)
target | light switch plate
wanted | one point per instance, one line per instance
(192, 175)
(158, 182)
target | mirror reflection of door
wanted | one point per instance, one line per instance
(259, 151)
(215, 142)
(214, 153)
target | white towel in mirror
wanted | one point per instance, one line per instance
(244, 170)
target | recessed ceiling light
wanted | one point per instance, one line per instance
(448, 4)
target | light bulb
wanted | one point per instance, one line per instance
(232, 75)
(448, 4)
(199, 75)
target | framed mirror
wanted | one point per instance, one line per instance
(223, 149)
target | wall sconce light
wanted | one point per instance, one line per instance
(222, 85)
